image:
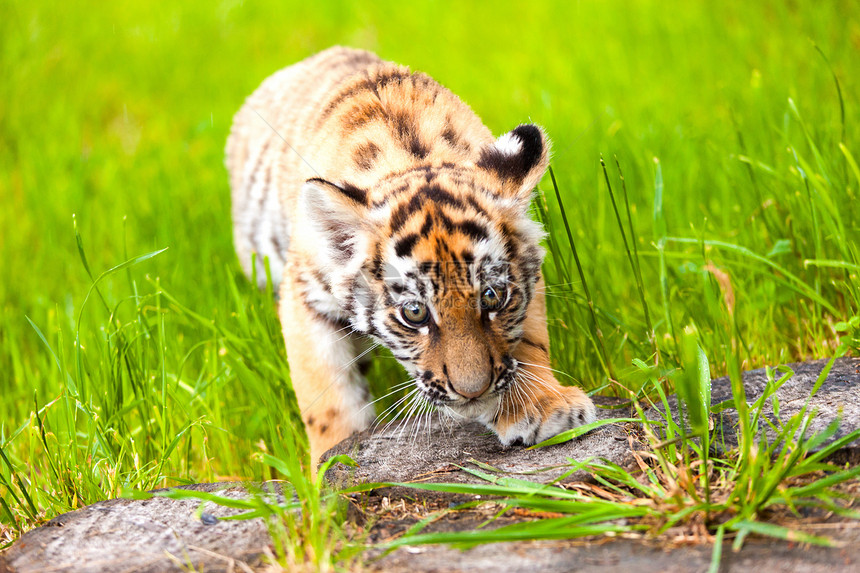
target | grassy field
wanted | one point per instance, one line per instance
(736, 130)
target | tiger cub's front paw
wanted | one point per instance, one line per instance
(530, 414)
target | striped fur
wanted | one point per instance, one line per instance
(378, 196)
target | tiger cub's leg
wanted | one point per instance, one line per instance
(331, 392)
(536, 407)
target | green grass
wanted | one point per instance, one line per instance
(736, 218)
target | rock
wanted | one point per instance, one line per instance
(836, 397)
(144, 536)
(431, 450)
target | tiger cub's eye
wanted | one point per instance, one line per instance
(491, 299)
(414, 313)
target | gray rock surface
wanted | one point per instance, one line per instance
(835, 399)
(431, 450)
(143, 536)
(837, 396)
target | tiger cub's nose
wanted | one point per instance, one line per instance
(472, 388)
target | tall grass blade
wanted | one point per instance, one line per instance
(841, 100)
(717, 553)
(638, 269)
(598, 334)
(660, 238)
(634, 266)
(32, 512)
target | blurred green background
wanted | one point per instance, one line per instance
(121, 109)
(117, 113)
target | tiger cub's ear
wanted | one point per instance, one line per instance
(518, 158)
(337, 217)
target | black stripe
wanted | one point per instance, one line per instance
(389, 76)
(446, 222)
(417, 148)
(510, 239)
(344, 95)
(279, 247)
(537, 345)
(474, 230)
(408, 133)
(428, 224)
(475, 205)
(348, 189)
(318, 276)
(406, 180)
(441, 196)
(355, 193)
(450, 136)
(403, 247)
(376, 262)
(371, 84)
(405, 210)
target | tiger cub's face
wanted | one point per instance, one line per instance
(439, 263)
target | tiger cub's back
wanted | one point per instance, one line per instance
(278, 116)
(344, 116)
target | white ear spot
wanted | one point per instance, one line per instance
(509, 144)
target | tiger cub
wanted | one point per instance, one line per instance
(390, 213)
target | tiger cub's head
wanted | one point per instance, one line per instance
(439, 263)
